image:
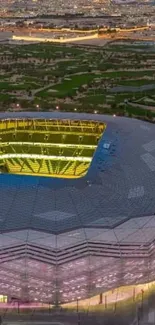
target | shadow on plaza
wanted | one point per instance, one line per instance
(58, 316)
(135, 314)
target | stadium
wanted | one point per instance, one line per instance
(77, 198)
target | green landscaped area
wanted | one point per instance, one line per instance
(118, 78)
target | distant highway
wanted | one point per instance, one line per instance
(93, 37)
(68, 30)
(67, 35)
(52, 39)
(91, 30)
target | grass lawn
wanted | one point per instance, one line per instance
(94, 99)
(126, 74)
(67, 87)
(136, 82)
(15, 86)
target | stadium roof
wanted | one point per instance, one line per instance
(119, 186)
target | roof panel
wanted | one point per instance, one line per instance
(120, 183)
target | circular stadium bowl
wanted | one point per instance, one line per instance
(77, 198)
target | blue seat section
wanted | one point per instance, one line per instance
(106, 152)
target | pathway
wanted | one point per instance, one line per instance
(147, 107)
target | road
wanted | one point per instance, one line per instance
(68, 30)
(149, 108)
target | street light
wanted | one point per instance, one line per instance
(142, 291)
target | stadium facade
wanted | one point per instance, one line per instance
(64, 239)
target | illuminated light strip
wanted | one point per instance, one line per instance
(36, 131)
(34, 156)
(61, 145)
(62, 126)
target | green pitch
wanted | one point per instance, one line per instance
(58, 148)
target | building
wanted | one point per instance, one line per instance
(64, 239)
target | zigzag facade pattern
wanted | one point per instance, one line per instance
(58, 257)
(110, 271)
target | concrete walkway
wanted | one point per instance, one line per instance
(69, 321)
(150, 108)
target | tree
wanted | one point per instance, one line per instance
(149, 114)
(114, 106)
